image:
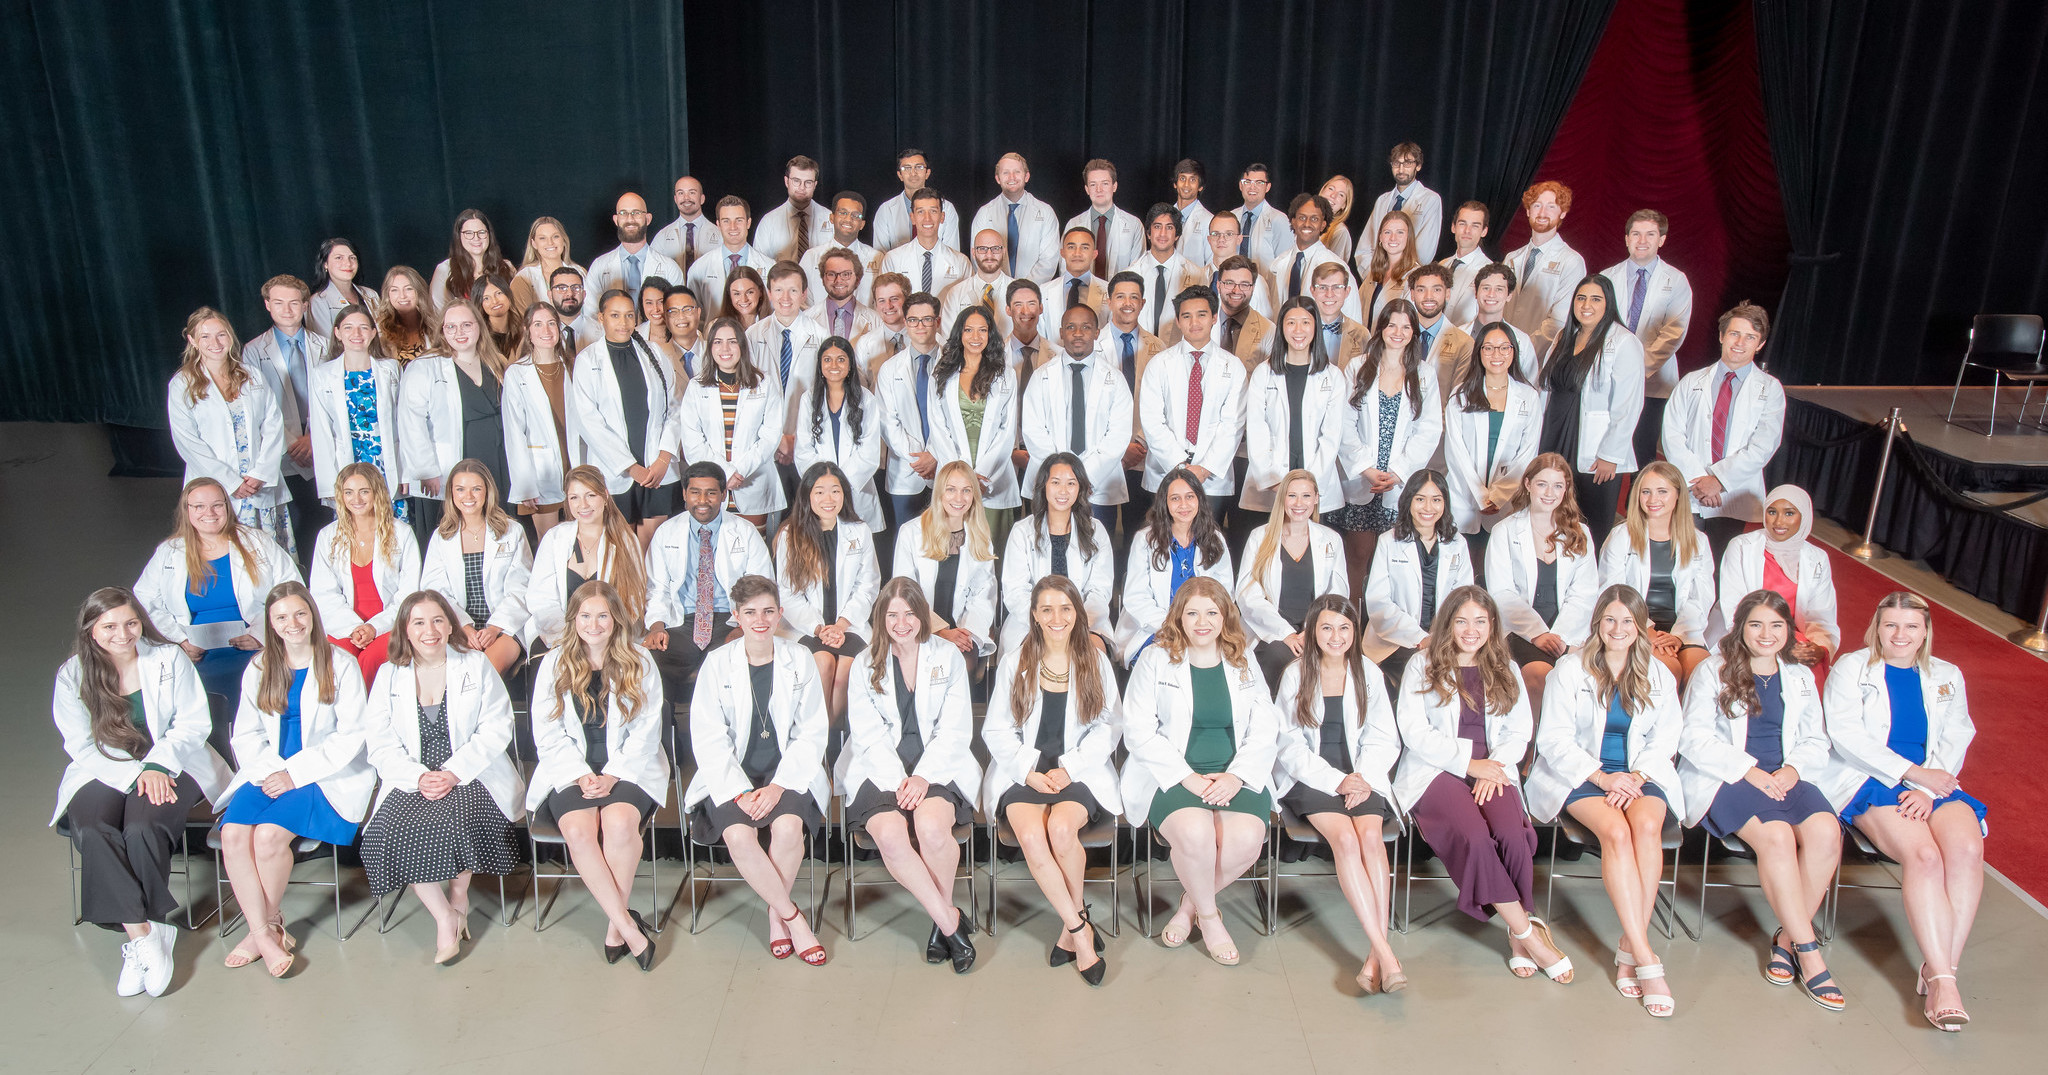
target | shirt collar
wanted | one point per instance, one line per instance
(697, 528)
(1722, 370)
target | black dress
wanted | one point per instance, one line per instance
(483, 427)
(596, 754)
(1305, 801)
(760, 755)
(870, 800)
(1050, 743)
(638, 503)
(413, 841)
(829, 607)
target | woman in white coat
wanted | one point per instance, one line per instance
(1491, 424)
(451, 408)
(908, 771)
(1051, 732)
(596, 544)
(1900, 724)
(1290, 560)
(299, 738)
(352, 409)
(1392, 426)
(212, 569)
(334, 286)
(134, 721)
(1753, 736)
(1294, 413)
(599, 766)
(1465, 724)
(479, 560)
(825, 564)
(1605, 753)
(540, 441)
(731, 414)
(1543, 569)
(627, 416)
(948, 552)
(1061, 538)
(1338, 747)
(1592, 382)
(840, 421)
(364, 565)
(1779, 558)
(437, 727)
(758, 731)
(1203, 732)
(975, 413)
(1659, 551)
(1411, 575)
(1179, 541)
(227, 426)
(473, 253)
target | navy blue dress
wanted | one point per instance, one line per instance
(1613, 755)
(1735, 804)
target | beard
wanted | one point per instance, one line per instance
(632, 233)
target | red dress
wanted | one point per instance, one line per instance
(368, 603)
(1782, 584)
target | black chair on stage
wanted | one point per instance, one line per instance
(2010, 346)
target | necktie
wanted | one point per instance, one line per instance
(732, 264)
(1528, 266)
(689, 363)
(1102, 245)
(1194, 396)
(842, 320)
(295, 372)
(923, 386)
(1724, 401)
(1635, 297)
(800, 222)
(988, 295)
(633, 273)
(689, 244)
(1158, 296)
(1130, 361)
(788, 355)
(702, 634)
(1231, 327)
(1294, 277)
(1429, 338)
(1073, 293)
(1399, 199)
(927, 288)
(1077, 410)
(1013, 238)
(1244, 241)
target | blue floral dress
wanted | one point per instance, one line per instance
(360, 387)
(274, 521)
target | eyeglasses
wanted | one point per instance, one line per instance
(913, 168)
(568, 289)
(988, 249)
(475, 233)
(928, 320)
(1329, 289)
(844, 274)
(632, 214)
(1497, 349)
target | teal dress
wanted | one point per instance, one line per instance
(1212, 746)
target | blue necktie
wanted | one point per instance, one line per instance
(1399, 198)
(1013, 238)
(1244, 242)
(924, 384)
(633, 273)
(689, 363)
(1294, 278)
(1635, 297)
(1130, 362)
(1528, 266)
(788, 354)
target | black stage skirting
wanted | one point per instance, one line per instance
(1982, 550)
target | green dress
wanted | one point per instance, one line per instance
(971, 412)
(1212, 745)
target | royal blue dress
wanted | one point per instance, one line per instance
(302, 811)
(1908, 739)
(1613, 755)
(220, 671)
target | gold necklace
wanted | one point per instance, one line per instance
(1050, 676)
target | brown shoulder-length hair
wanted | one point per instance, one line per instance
(1411, 357)
(99, 682)
(1383, 268)
(746, 374)
(274, 689)
(1085, 673)
(486, 348)
(1633, 685)
(462, 274)
(621, 560)
(1174, 640)
(804, 562)
(496, 522)
(1567, 522)
(1308, 698)
(912, 594)
(1738, 683)
(193, 366)
(1497, 676)
(622, 660)
(400, 651)
(198, 569)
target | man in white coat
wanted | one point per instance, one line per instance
(282, 355)
(904, 387)
(1468, 226)
(785, 345)
(708, 274)
(1225, 236)
(1493, 286)
(1118, 235)
(788, 231)
(1030, 229)
(1189, 177)
(1289, 275)
(1423, 205)
(1076, 283)
(889, 333)
(849, 215)
(892, 218)
(1547, 269)
(1656, 305)
(1262, 228)
(1080, 404)
(930, 265)
(1724, 424)
(689, 612)
(986, 286)
(633, 261)
(1191, 402)
(691, 232)
(1162, 271)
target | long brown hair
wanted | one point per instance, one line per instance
(622, 660)
(1085, 674)
(1203, 533)
(392, 325)
(462, 272)
(1080, 522)
(1411, 357)
(380, 514)
(622, 559)
(487, 352)
(1382, 267)
(1308, 699)
(496, 522)
(1685, 536)
(905, 587)
(1738, 682)
(198, 569)
(274, 689)
(803, 533)
(746, 374)
(99, 682)
(1567, 522)
(1174, 640)
(1497, 676)
(1633, 685)
(193, 366)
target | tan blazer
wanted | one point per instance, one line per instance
(1453, 351)
(1252, 339)
(1351, 342)
(1147, 345)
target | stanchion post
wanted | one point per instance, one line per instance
(1864, 549)
(2034, 638)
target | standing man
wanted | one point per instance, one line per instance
(986, 286)
(930, 265)
(1468, 227)
(838, 309)
(1189, 177)
(1163, 271)
(709, 272)
(1243, 331)
(1344, 336)
(1493, 287)
(1423, 205)
(1129, 349)
(1656, 305)
(849, 213)
(1081, 404)
(1030, 229)
(632, 261)
(788, 231)
(1290, 274)
(1077, 283)
(1118, 235)
(580, 326)
(891, 291)
(1446, 344)
(282, 355)
(1263, 232)
(1547, 268)
(691, 233)
(892, 218)
(1028, 344)
(1723, 426)
(784, 345)
(1225, 236)
(909, 410)
(1191, 402)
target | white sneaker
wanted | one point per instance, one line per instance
(130, 982)
(156, 974)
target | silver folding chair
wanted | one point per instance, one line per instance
(1567, 827)
(304, 848)
(1100, 835)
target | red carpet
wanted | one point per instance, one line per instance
(2005, 683)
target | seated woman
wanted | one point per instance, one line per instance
(1465, 724)
(1202, 732)
(1423, 559)
(1657, 551)
(1051, 730)
(947, 551)
(602, 773)
(479, 561)
(1060, 538)
(1491, 423)
(437, 726)
(299, 737)
(758, 730)
(908, 766)
(1291, 559)
(1337, 747)
(1753, 730)
(596, 544)
(825, 564)
(1179, 541)
(134, 720)
(1543, 569)
(212, 569)
(364, 563)
(1900, 724)
(1604, 755)
(1780, 559)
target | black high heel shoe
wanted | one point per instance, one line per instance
(1060, 957)
(615, 952)
(646, 956)
(1093, 974)
(958, 945)
(935, 947)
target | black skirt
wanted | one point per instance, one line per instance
(709, 820)
(871, 800)
(1526, 653)
(412, 841)
(852, 647)
(1305, 801)
(639, 503)
(565, 801)
(1075, 792)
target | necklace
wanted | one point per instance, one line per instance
(1051, 676)
(1501, 387)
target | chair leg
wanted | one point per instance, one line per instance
(1116, 911)
(1991, 425)
(1958, 389)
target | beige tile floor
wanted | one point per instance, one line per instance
(717, 1003)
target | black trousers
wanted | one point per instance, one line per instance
(1719, 532)
(124, 850)
(680, 661)
(1649, 429)
(308, 516)
(1598, 502)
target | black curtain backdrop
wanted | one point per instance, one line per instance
(1908, 139)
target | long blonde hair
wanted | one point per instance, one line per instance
(1910, 601)
(380, 513)
(192, 366)
(1339, 216)
(1685, 535)
(496, 522)
(1085, 675)
(622, 560)
(1230, 640)
(198, 569)
(934, 537)
(1276, 525)
(622, 660)
(274, 688)
(1382, 268)
(1497, 676)
(1633, 685)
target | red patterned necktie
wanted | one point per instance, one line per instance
(1724, 401)
(1194, 396)
(702, 635)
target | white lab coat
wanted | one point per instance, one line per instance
(775, 230)
(1610, 401)
(534, 453)
(1859, 725)
(1541, 304)
(1742, 573)
(1569, 737)
(1511, 569)
(1028, 557)
(991, 455)
(858, 457)
(1474, 478)
(1048, 422)
(1693, 579)
(1712, 749)
(1159, 702)
(633, 747)
(333, 438)
(333, 582)
(1666, 313)
(737, 551)
(896, 387)
(722, 716)
(204, 433)
(608, 271)
(173, 705)
(508, 563)
(680, 243)
(1424, 207)
(479, 729)
(1371, 740)
(863, 293)
(764, 344)
(1269, 235)
(1258, 598)
(966, 292)
(1038, 233)
(430, 419)
(265, 356)
(1126, 235)
(1194, 235)
(1157, 314)
(329, 303)
(1268, 422)
(1162, 407)
(1087, 749)
(1279, 273)
(162, 585)
(542, 284)
(1393, 591)
(600, 417)
(756, 434)
(1416, 436)
(330, 738)
(1148, 592)
(948, 266)
(1756, 426)
(1527, 357)
(1430, 743)
(974, 586)
(547, 585)
(1461, 307)
(857, 578)
(891, 224)
(945, 724)
(707, 277)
